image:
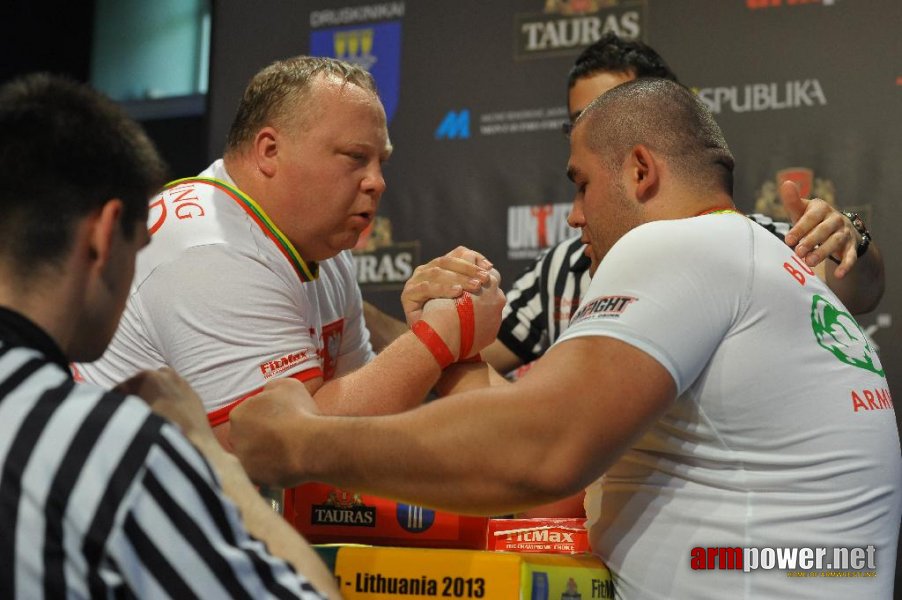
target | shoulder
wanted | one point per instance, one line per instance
(679, 242)
(778, 228)
(343, 261)
(190, 216)
(339, 271)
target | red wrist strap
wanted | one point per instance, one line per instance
(433, 342)
(467, 324)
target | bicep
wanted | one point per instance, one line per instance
(603, 392)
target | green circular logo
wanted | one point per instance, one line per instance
(838, 332)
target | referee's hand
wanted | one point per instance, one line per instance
(170, 396)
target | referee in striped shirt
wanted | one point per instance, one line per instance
(99, 495)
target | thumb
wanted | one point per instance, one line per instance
(792, 200)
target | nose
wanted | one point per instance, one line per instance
(576, 218)
(374, 182)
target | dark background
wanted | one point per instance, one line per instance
(464, 55)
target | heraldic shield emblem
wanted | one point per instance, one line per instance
(375, 47)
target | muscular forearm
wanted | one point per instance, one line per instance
(501, 357)
(464, 377)
(862, 287)
(454, 467)
(488, 451)
(504, 448)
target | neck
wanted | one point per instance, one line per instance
(48, 300)
(247, 178)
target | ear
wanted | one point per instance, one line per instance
(266, 150)
(102, 230)
(643, 172)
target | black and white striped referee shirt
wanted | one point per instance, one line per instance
(545, 296)
(101, 498)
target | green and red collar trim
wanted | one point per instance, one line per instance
(306, 271)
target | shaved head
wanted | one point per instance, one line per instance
(668, 119)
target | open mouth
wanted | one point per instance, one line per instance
(362, 219)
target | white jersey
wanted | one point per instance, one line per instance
(806, 456)
(222, 297)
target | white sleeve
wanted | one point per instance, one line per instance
(356, 349)
(667, 289)
(228, 323)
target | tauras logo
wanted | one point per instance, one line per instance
(382, 263)
(755, 97)
(545, 35)
(343, 508)
(357, 516)
(386, 266)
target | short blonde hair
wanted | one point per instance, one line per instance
(283, 85)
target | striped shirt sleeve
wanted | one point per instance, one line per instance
(100, 498)
(540, 301)
(181, 538)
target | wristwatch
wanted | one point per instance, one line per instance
(862, 230)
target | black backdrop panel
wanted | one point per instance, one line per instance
(476, 92)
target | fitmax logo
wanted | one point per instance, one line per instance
(456, 124)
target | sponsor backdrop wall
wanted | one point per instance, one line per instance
(475, 95)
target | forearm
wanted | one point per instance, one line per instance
(265, 525)
(398, 379)
(502, 358)
(488, 457)
(464, 377)
(383, 328)
(862, 287)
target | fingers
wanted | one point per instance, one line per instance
(821, 232)
(449, 271)
(487, 305)
(448, 276)
(849, 257)
(792, 201)
(471, 256)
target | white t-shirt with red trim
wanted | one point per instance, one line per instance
(783, 434)
(217, 297)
